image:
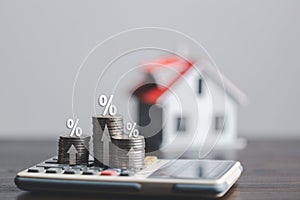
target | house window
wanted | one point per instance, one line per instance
(181, 124)
(220, 123)
(200, 86)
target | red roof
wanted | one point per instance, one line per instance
(153, 95)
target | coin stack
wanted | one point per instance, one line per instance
(81, 151)
(127, 152)
(124, 152)
(114, 126)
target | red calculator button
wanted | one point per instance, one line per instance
(109, 173)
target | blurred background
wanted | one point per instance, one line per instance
(42, 43)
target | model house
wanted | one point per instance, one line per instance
(187, 104)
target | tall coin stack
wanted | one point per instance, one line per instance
(74, 155)
(124, 152)
(114, 126)
(127, 152)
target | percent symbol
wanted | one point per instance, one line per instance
(133, 132)
(107, 104)
(74, 127)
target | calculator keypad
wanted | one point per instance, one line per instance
(51, 166)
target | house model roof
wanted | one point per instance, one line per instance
(152, 92)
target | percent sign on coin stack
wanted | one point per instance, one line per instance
(112, 147)
(112, 111)
(107, 104)
(75, 130)
(73, 148)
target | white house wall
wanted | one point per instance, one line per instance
(197, 109)
(171, 109)
(230, 129)
(223, 105)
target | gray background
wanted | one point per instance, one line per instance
(42, 43)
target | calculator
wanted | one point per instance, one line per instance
(180, 177)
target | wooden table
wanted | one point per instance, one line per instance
(271, 170)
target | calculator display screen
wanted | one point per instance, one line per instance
(193, 169)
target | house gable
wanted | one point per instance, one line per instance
(173, 68)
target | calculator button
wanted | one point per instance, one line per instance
(49, 165)
(96, 169)
(126, 173)
(34, 170)
(51, 161)
(109, 172)
(72, 171)
(53, 170)
(89, 172)
(78, 167)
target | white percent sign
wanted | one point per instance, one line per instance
(133, 132)
(75, 129)
(107, 104)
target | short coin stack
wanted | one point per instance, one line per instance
(127, 152)
(115, 125)
(79, 151)
(124, 152)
